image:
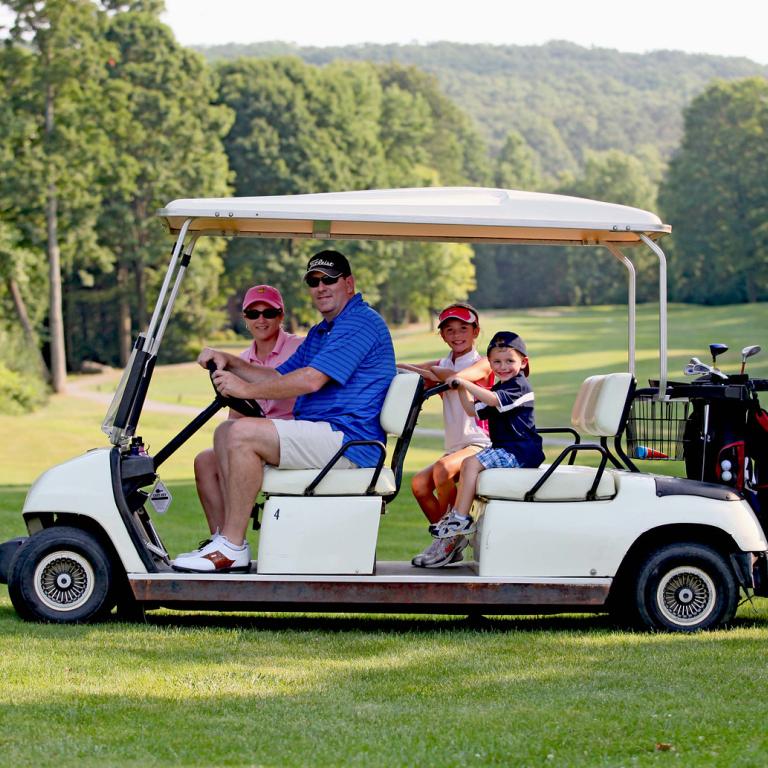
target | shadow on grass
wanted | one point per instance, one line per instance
(411, 624)
(336, 623)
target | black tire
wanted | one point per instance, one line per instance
(685, 588)
(61, 575)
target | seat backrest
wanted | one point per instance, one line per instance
(398, 417)
(600, 404)
(398, 402)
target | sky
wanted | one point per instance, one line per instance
(733, 28)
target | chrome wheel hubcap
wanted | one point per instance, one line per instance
(64, 581)
(686, 596)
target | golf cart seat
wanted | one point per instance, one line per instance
(305, 511)
(600, 410)
(398, 418)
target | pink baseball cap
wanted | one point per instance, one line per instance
(265, 293)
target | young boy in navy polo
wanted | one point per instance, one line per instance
(508, 407)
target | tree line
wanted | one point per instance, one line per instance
(105, 118)
(562, 98)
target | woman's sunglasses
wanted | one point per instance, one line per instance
(313, 282)
(269, 314)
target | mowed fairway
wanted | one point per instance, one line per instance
(193, 689)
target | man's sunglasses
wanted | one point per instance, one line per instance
(269, 314)
(313, 282)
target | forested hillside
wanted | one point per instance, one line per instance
(563, 99)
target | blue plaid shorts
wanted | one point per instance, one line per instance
(497, 458)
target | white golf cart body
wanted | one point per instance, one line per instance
(560, 538)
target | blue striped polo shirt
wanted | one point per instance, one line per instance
(355, 351)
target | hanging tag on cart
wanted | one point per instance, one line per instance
(160, 498)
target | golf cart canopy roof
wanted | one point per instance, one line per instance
(431, 213)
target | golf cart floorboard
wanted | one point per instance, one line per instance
(396, 587)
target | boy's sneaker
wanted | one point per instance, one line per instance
(217, 556)
(434, 527)
(442, 552)
(454, 525)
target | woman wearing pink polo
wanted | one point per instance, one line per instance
(263, 311)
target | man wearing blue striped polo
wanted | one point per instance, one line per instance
(339, 375)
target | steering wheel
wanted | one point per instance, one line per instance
(244, 406)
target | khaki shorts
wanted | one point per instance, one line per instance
(309, 445)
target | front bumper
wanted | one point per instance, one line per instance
(7, 551)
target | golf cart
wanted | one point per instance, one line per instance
(660, 552)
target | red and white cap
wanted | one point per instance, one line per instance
(464, 314)
(265, 293)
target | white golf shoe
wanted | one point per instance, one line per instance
(218, 555)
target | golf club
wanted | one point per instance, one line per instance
(748, 352)
(716, 350)
(696, 368)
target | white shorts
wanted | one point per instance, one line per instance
(309, 445)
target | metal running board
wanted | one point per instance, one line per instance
(396, 587)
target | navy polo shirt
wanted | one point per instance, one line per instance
(511, 424)
(355, 351)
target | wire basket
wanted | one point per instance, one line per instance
(655, 428)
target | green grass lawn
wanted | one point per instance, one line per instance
(195, 689)
(189, 689)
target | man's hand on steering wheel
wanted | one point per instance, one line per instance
(227, 385)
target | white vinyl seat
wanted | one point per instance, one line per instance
(598, 410)
(399, 403)
(568, 483)
(338, 482)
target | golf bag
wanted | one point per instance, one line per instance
(757, 450)
(726, 441)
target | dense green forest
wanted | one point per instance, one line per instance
(563, 99)
(106, 117)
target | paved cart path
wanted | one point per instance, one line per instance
(83, 388)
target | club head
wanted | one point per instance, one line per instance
(697, 369)
(717, 349)
(750, 351)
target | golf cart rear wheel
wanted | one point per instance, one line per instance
(61, 575)
(685, 588)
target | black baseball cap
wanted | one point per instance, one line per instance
(509, 340)
(331, 263)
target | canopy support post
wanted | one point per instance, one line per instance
(177, 248)
(662, 313)
(631, 303)
(174, 293)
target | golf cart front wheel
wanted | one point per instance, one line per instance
(61, 575)
(686, 588)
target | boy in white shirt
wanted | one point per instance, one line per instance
(434, 487)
